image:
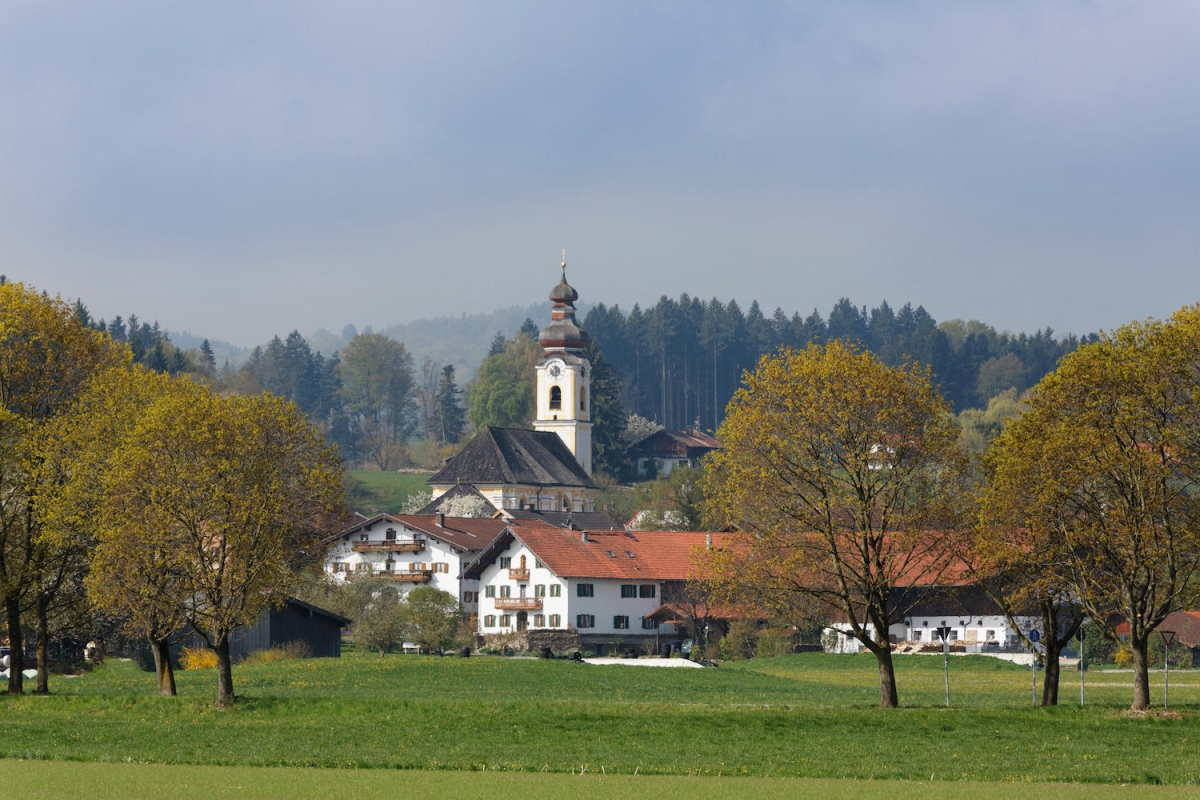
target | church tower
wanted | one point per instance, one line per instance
(564, 377)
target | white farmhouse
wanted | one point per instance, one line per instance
(603, 585)
(413, 550)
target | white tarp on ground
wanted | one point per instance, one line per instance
(646, 662)
(28, 673)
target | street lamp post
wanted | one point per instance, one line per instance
(1168, 637)
(1035, 636)
(1082, 665)
(944, 633)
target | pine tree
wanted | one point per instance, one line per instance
(449, 416)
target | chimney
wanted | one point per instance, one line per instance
(442, 520)
(708, 541)
(583, 535)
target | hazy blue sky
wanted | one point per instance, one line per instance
(243, 169)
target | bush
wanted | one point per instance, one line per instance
(283, 652)
(740, 642)
(198, 659)
(771, 645)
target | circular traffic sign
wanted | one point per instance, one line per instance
(1035, 636)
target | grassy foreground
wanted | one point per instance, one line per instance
(40, 779)
(810, 716)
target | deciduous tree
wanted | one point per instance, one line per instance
(1105, 465)
(839, 473)
(243, 488)
(46, 358)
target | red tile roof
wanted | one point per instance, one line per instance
(636, 555)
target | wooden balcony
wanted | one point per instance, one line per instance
(518, 604)
(411, 576)
(396, 546)
(518, 574)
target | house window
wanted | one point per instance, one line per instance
(555, 590)
(585, 621)
(539, 620)
(489, 621)
(537, 563)
(539, 590)
(505, 562)
(646, 590)
(506, 620)
(555, 397)
(489, 591)
(470, 597)
(362, 566)
(583, 590)
(916, 636)
(620, 622)
(555, 620)
(391, 534)
(441, 566)
(418, 566)
(649, 624)
(629, 590)
(506, 591)
(991, 636)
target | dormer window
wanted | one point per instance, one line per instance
(555, 397)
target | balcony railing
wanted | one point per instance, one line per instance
(412, 576)
(518, 574)
(518, 604)
(395, 546)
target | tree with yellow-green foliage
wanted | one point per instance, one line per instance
(240, 490)
(1104, 468)
(46, 359)
(125, 572)
(502, 394)
(841, 475)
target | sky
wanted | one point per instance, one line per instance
(240, 170)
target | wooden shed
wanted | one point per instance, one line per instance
(295, 621)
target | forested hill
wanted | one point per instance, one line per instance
(681, 360)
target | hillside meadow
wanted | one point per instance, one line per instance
(805, 716)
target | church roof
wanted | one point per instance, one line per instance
(575, 520)
(511, 456)
(563, 333)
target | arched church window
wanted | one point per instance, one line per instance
(583, 399)
(555, 397)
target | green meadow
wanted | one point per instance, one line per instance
(810, 716)
(374, 492)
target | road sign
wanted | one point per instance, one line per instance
(1035, 636)
(1080, 634)
(944, 633)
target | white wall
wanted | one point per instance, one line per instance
(604, 604)
(434, 552)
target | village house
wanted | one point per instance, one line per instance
(601, 586)
(662, 451)
(413, 550)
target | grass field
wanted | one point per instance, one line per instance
(809, 716)
(41, 779)
(378, 492)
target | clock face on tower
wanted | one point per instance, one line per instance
(555, 371)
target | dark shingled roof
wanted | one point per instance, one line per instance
(513, 456)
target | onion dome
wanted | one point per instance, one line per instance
(563, 333)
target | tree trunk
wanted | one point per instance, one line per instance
(887, 678)
(43, 648)
(12, 608)
(1050, 682)
(1141, 674)
(224, 672)
(162, 666)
